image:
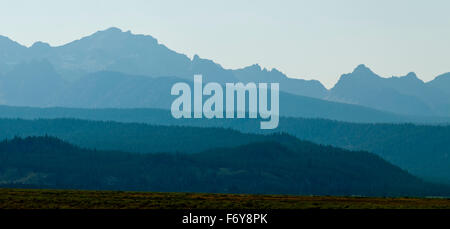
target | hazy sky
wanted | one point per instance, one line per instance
(306, 39)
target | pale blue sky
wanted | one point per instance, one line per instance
(306, 39)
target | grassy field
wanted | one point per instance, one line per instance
(67, 199)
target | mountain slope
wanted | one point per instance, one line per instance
(113, 89)
(33, 83)
(422, 150)
(37, 84)
(442, 82)
(401, 95)
(263, 167)
(116, 90)
(116, 51)
(113, 50)
(254, 73)
(11, 53)
(129, 137)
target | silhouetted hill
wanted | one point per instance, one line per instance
(421, 150)
(263, 167)
(401, 95)
(129, 137)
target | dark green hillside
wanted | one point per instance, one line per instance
(131, 137)
(265, 168)
(422, 150)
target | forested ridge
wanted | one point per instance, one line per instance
(282, 165)
(423, 150)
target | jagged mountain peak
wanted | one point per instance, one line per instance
(114, 38)
(360, 75)
(198, 60)
(112, 31)
(412, 76)
(196, 57)
(276, 71)
(253, 67)
(363, 70)
(115, 50)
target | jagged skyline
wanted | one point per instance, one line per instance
(128, 61)
(304, 39)
(42, 45)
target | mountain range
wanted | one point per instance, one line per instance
(403, 95)
(36, 84)
(112, 68)
(94, 114)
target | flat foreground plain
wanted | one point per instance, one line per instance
(74, 199)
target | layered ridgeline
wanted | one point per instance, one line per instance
(281, 165)
(112, 68)
(117, 51)
(31, 85)
(402, 95)
(421, 150)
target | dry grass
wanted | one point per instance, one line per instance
(71, 199)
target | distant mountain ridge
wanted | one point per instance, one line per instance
(254, 73)
(113, 50)
(403, 95)
(118, 90)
